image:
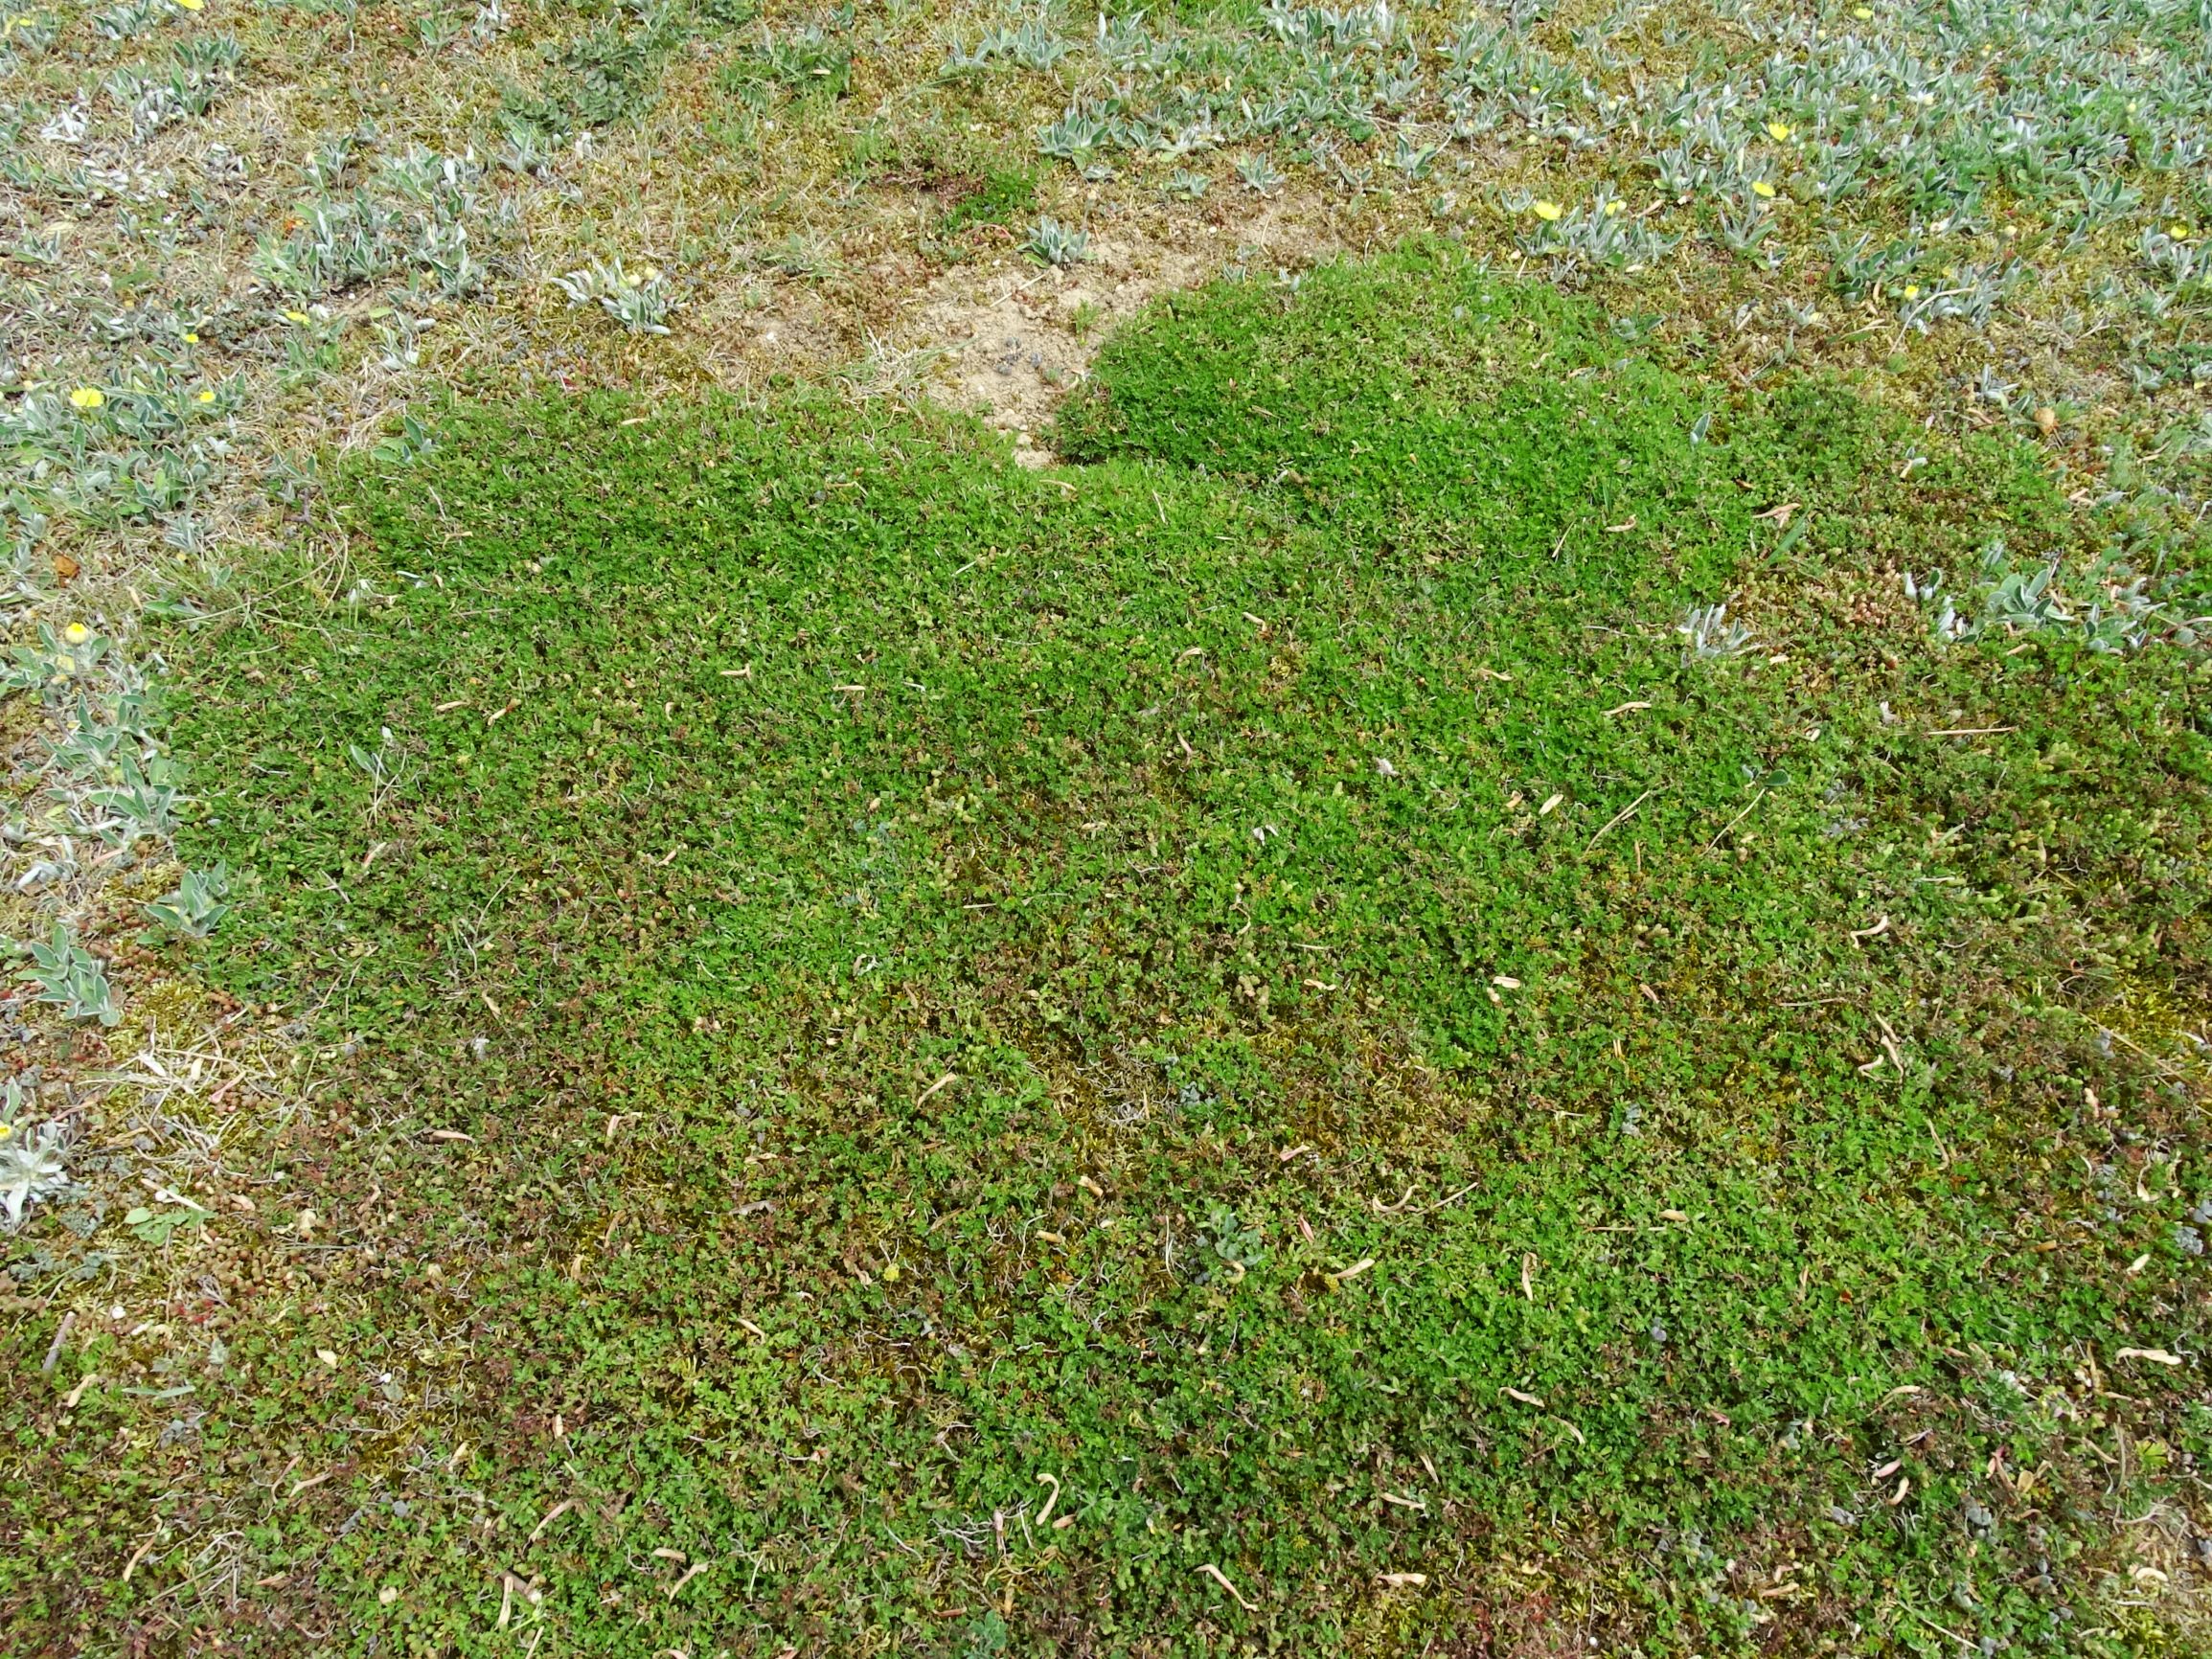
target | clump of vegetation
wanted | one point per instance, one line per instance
(998, 196)
(1236, 1037)
(249, 253)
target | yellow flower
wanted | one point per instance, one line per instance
(2179, 231)
(76, 633)
(1861, 13)
(190, 339)
(206, 394)
(1761, 189)
(192, 4)
(6, 1130)
(296, 317)
(1612, 207)
(88, 396)
(891, 1273)
(1912, 290)
(1778, 131)
(1548, 211)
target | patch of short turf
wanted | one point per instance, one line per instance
(1252, 989)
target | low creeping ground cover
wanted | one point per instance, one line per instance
(1420, 1006)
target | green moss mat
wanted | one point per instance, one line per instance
(1251, 991)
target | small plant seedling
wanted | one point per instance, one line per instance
(1260, 175)
(1707, 633)
(639, 300)
(1052, 243)
(193, 908)
(32, 1165)
(156, 1225)
(71, 978)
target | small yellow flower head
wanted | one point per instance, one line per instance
(6, 1130)
(190, 339)
(1778, 131)
(192, 4)
(891, 1273)
(2179, 231)
(1548, 211)
(1612, 208)
(1761, 189)
(1862, 12)
(296, 317)
(76, 633)
(206, 394)
(1912, 290)
(88, 396)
